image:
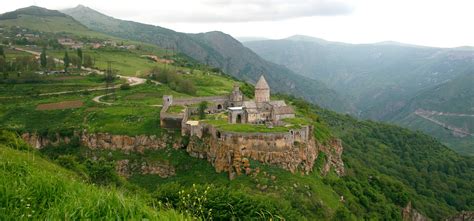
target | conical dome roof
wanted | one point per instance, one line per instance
(262, 83)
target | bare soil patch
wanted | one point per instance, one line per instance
(60, 105)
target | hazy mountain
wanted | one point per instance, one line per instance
(378, 76)
(217, 49)
(381, 78)
(445, 111)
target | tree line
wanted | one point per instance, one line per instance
(173, 80)
(29, 63)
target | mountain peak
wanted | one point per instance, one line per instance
(31, 10)
(306, 38)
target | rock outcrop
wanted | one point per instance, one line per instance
(333, 151)
(106, 141)
(410, 214)
(233, 155)
(125, 168)
(463, 216)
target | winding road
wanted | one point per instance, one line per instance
(427, 115)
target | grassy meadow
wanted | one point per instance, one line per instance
(35, 188)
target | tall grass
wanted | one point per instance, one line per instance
(34, 188)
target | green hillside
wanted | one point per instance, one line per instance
(42, 19)
(216, 49)
(32, 187)
(453, 101)
(387, 167)
(433, 173)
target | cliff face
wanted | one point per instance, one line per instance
(333, 152)
(127, 167)
(106, 141)
(226, 155)
(234, 155)
(463, 216)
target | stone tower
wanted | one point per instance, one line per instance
(236, 97)
(262, 91)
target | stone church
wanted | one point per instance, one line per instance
(262, 110)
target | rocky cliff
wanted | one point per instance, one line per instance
(126, 168)
(105, 141)
(463, 216)
(235, 156)
(410, 214)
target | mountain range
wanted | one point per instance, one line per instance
(387, 81)
(387, 167)
(216, 49)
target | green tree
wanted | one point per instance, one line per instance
(43, 60)
(3, 65)
(66, 61)
(125, 86)
(79, 54)
(75, 61)
(202, 109)
(2, 52)
(88, 61)
(51, 63)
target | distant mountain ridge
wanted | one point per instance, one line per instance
(32, 10)
(451, 104)
(217, 49)
(388, 167)
(387, 80)
(379, 77)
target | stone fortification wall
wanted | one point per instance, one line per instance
(295, 150)
(178, 120)
(196, 100)
(169, 120)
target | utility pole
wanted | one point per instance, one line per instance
(109, 81)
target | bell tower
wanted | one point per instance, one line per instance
(262, 90)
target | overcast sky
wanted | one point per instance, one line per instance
(442, 23)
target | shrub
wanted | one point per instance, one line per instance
(102, 172)
(12, 140)
(125, 86)
(202, 110)
(173, 80)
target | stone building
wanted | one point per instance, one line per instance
(262, 109)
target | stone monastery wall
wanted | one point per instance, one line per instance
(196, 100)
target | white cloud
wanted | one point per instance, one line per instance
(425, 22)
(256, 10)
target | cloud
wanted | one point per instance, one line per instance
(203, 11)
(228, 11)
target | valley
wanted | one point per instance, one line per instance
(179, 128)
(387, 81)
